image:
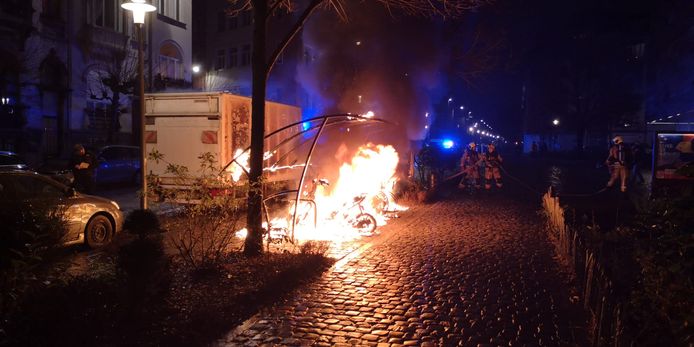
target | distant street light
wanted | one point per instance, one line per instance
(196, 68)
(555, 122)
(139, 8)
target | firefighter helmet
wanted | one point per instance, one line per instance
(471, 145)
(617, 140)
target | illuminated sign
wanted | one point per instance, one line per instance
(674, 156)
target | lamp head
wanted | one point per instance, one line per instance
(139, 8)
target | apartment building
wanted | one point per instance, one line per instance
(222, 49)
(68, 70)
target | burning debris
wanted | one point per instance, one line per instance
(359, 200)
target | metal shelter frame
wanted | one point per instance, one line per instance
(323, 122)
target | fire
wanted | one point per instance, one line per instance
(349, 208)
(236, 169)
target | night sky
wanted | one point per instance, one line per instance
(506, 62)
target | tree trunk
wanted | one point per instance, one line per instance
(254, 240)
(114, 124)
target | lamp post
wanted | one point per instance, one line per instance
(139, 9)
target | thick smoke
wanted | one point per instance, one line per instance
(375, 62)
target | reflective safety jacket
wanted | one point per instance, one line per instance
(470, 158)
(492, 159)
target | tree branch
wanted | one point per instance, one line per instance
(290, 35)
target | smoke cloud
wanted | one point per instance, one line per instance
(375, 62)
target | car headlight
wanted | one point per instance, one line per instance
(115, 204)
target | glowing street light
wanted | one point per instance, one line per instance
(196, 68)
(139, 8)
(555, 122)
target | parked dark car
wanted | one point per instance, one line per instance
(90, 219)
(11, 161)
(57, 169)
(54, 168)
(117, 164)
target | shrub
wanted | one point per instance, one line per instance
(660, 306)
(315, 248)
(204, 234)
(31, 233)
(142, 223)
(145, 268)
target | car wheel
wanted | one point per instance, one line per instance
(98, 232)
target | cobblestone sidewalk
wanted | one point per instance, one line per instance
(465, 271)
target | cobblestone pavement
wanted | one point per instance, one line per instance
(462, 271)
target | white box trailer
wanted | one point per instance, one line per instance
(182, 126)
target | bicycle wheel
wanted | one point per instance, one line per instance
(364, 223)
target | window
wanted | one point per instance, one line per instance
(161, 7)
(95, 112)
(246, 18)
(233, 57)
(108, 14)
(220, 60)
(245, 55)
(169, 8)
(233, 22)
(170, 61)
(221, 20)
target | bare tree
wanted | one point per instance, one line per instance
(112, 80)
(262, 64)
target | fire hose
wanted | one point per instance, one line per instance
(527, 186)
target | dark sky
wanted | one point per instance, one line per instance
(406, 66)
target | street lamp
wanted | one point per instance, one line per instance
(139, 8)
(555, 122)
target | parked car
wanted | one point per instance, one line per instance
(90, 219)
(57, 169)
(11, 161)
(117, 164)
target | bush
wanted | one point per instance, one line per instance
(205, 232)
(142, 223)
(145, 268)
(204, 235)
(312, 247)
(660, 306)
(31, 233)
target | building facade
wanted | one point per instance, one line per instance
(68, 71)
(223, 45)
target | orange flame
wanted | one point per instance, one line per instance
(365, 186)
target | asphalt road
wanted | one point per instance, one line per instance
(467, 270)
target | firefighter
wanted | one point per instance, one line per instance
(492, 167)
(468, 165)
(618, 161)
